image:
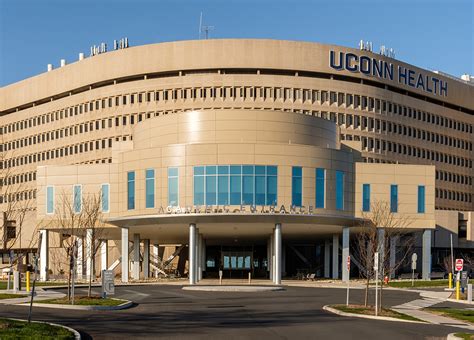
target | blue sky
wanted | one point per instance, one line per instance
(431, 34)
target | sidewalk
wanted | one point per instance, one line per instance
(40, 295)
(428, 299)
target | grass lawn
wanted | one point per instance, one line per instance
(3, 284)
(11, 296)
(85, 301)
(465, 336)
(12, 329)
(369, 310)
(460, 314)
(418, 284)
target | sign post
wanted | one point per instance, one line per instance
(414, 257)
(459, 265)
(348, 278)
(376, 269)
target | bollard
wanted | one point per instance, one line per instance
(220, 277)
(27, 281)
(457, 290)
(469, 293)
(16, 281)
(450, 280)
(250, 278)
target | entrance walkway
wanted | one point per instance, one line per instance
(428, 299)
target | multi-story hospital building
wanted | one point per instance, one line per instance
(246, 155)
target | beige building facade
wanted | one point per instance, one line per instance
(186, 123)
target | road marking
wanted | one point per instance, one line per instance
(136, 293)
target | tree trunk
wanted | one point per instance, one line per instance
(91, 270)
(366, 299)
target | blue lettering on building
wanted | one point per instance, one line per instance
(374, 67)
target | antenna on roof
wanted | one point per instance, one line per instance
(204, 28)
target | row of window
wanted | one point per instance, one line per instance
(246, 92)
(366, 201)
(379, 146)
(77, 198)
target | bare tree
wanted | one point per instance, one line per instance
(374, 234)
(94, 224)
(16, 202)
(69, 221)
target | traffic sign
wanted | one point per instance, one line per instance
(414, 257)
(376, 261)
(459, 265)
(348, 263)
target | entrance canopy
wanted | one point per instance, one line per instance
(174, 228)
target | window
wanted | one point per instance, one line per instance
(150, 188)
(366, 197)
(50, 200)
(105, 201)
(421, 199)
(297, 186)
(235, 185)
(394, 198)
(340, 190)
(173, 187)
(199, 179)
(77, 198)
(131, 190)
(320, 187)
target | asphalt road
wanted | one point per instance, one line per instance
(170, 312)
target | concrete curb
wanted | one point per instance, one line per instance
(463, 302)
(451, 336)
(363, 316)
(244, 289)
(124, 305)
(77, 335)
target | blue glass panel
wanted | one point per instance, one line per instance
(198, 170)
(320, 188)
(259, 170)
(366, 197)
(272, 170)
(272, 190)
(247, 190)
(198, 190)
(297, 171)
(235, 190)
(150, 188)
(211, 190)
(247, 169)
(211, 170)
(394, 198)
(421, 199)
(296, 186)
(339, 190)
(223, 190)
(235, 169)
(105, 197)
(172, 172)
(131, 190)
(173, 187)
(77, 198)
(260, 189)
(223, 169)
(50, 200)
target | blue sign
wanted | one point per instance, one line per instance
(374, 67)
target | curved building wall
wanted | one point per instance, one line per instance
(75, 114)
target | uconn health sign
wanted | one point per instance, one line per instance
(371, 66)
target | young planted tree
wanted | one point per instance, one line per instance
(16, 204)
(94, 224)
(373, 235)
(68, 219)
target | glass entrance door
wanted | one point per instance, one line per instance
(237, 260)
